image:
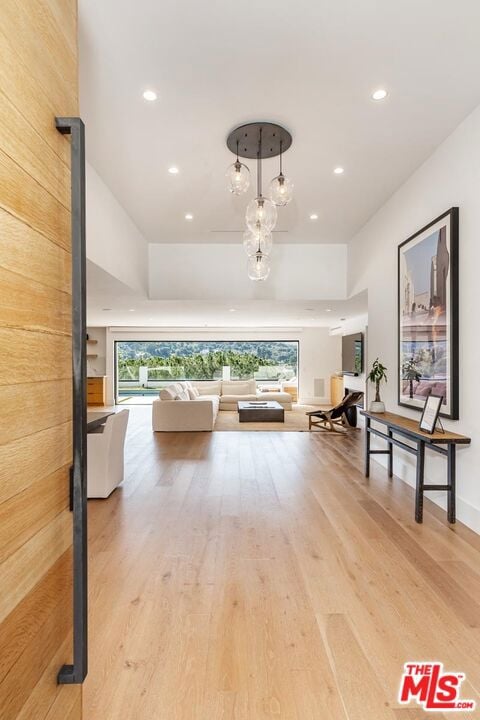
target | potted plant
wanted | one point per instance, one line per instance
(410, 373)
(377, 374)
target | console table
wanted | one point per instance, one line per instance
(407, 429)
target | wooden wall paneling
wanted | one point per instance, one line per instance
(23, 197)
(21, 142)
(38, 81)
(26, 252)
(29, 459)
(21, 86)
(41, 46)
(43, 405)
(51, 354)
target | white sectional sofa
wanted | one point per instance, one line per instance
(191, 406)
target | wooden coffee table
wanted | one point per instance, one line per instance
(252, 411)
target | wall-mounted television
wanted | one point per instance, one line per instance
(352, 354)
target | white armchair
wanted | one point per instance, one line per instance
(105, 456)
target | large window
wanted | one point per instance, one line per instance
(145, 366)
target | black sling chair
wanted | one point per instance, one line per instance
(335, 419)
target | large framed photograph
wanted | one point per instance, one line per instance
(428, 315)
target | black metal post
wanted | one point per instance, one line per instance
(420, 481)
(367, 446)
(76, 673)
(451, 463)
(390, 454)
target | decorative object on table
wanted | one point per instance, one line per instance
(336, 419)
(259, 140)
(431, 411)
(428, 315)
(377, 375)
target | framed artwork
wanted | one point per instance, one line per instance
(428, 315)
(431, 411)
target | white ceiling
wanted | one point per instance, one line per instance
(310, 65)
(111, 303)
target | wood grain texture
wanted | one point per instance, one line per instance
(39, 357)
(28, 305)
(38, 81)
(27, 460)
(260, 575)
(43, 405)
(28, 253)
(25, 568)
(405, 423)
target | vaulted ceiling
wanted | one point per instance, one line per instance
(311, 66)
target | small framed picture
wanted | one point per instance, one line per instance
(431, 411)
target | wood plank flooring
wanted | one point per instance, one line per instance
(258, 575)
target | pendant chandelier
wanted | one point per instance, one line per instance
(259, 140)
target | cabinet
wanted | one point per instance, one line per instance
(336, 389)
(292, 390)
(96, 390)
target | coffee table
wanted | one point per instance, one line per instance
(252, 411)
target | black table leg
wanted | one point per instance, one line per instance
(390, 455)
(419, 481)
(451, 459)
(367, 447)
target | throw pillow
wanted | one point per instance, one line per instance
(168, 393)
(192, 394)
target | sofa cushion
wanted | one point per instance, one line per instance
(280, 397)
(168, 393)
(236, 398)
(192, 393)
(214, 399)
(213, 387)
(239, 387)
(182, 394)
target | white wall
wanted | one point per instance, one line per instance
(450, 177)
(319, 352)
(210, 272)
(97, 366)
(113, 241)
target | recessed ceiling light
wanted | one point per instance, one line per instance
(150, 95)
(339, 171)
(328, 310)
(106, 309)
(173, 170)
(189, 216)
(379, 94)
(310, 309)
(342, 319)
(314, 216)
(131, 310)
(233, 310)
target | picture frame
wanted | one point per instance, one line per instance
(431, 411)
(428, 347)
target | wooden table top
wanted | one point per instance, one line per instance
(412, 427)
(95, 419)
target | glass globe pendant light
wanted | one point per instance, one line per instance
(261, 212)
(238, 177)
(281, 188)
(257, 239)
(258, 266)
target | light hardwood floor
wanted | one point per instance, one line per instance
(259, 575)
